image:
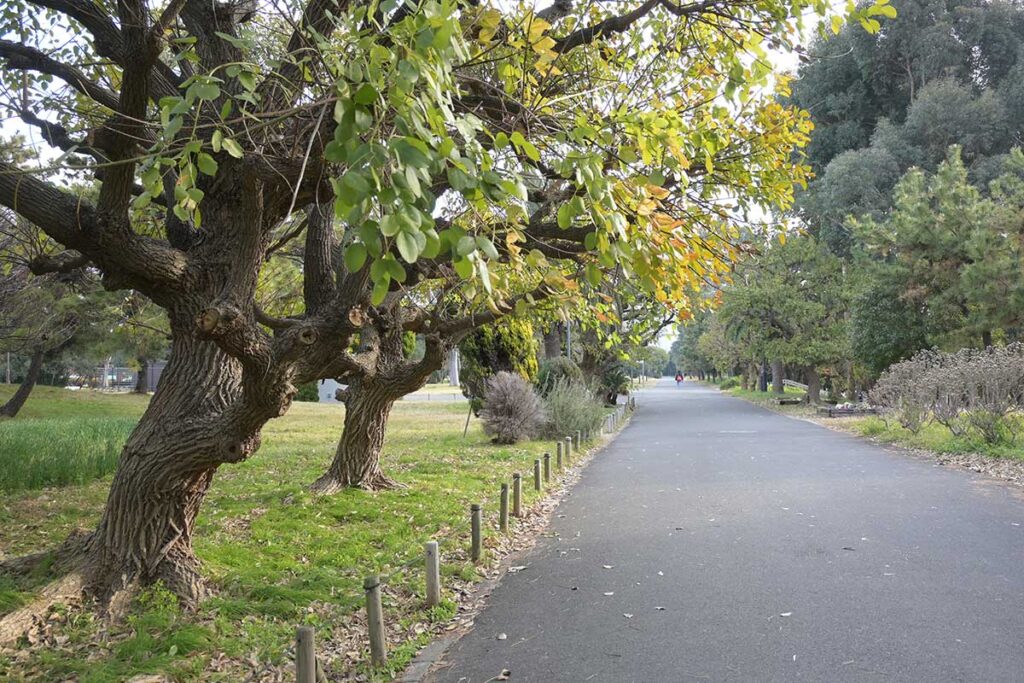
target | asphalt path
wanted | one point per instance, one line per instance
(717, 541)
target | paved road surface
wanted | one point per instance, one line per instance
(752, 547)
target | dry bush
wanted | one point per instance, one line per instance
(511, 411)
(969, 390)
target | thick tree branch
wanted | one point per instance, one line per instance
(63, 216)
(318, 288)
(65, 262)
(24, 57)
(623, 22)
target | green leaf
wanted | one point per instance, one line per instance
(380, 290)
(366, 94)
(464, 268)
(205, 91)
(206, 164)
(407, 246)
(565, 216)
(390, 225)
(232, 148)
(355, 257)
(409, 153)
(485, 245)
(465, 246)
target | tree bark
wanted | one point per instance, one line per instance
(813, 386)
(17, 400)
(142, 381)
(778, 374)
(357, 458)
(168, 462)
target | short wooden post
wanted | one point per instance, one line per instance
(517, 494)
(579, 440)
(568, 448)
(558, 455)
(477, 528)
(433, 573)
(547, 467)
(503, 511)
(305, 654)
(375, 621)
(536, 474)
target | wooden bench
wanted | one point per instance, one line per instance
(846, 412)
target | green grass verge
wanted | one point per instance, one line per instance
(276, 556)
(932, 437)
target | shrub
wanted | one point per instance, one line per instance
(963, 391)
(308, 392)
(570, 407)
(555, 370)
(729, 383)
(511, 410)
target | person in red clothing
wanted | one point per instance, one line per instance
(679, 378)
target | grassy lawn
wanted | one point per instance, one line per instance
(768, 400)
(276, 556)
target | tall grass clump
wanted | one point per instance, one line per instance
(571, 407)
(59, 452)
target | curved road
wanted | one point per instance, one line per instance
(717, 541)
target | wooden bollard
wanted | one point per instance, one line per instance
(375, 621)
(568, 448)
(558, 455)
(579, 440)
(536, 475)
(517, 495)
(547, 467)
(433, 560)
(305, 654)
(476, 521)
(503, 510)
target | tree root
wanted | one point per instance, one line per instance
(16, 624)
(330, 484)
(62, 558)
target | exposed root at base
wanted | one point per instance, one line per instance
(328, 484)
(65, 590)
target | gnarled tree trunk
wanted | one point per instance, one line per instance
(357, 459)
(369, 397)
(168, 462)
(17, 400)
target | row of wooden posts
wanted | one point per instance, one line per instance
(307, 668)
